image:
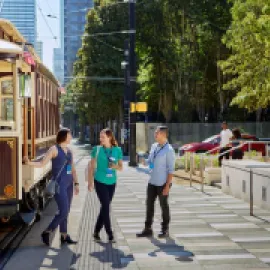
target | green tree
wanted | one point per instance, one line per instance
(179, 44)
(99, 63)
(247, 68)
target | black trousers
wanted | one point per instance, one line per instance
(237, 154)
(227, 155)
(105, 195)
(152, 193)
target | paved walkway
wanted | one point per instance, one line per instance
(32, 254)
(208, 230)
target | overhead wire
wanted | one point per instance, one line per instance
(46, 22)
(108, 45)
(50, 8)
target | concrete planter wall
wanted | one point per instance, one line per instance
(212, 175)
(236, 181)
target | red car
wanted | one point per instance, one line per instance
(214, 141)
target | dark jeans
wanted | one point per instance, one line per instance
(227, 155)
(63, 200)
(105, 194)
(237, 154)
(152, 193)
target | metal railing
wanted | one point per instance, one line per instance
(251, 186)
(202, 156)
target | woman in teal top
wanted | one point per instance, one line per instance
(106, 160)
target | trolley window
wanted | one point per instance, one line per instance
(6, 102)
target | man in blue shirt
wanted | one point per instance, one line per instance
(161, 163)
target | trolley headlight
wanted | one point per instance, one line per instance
(9, 191)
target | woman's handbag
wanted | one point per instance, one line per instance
(53, 187)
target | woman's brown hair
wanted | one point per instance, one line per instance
(62, 135)
(236, 133)
(110, 135)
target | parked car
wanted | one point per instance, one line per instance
(214, 141)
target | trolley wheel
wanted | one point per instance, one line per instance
(30, 201)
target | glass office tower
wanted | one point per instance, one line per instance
(58, 64)
(73, 26)
(22, 13)
(39, 49)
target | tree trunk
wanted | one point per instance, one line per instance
(259, 115)
(92, 134)
(219, 86)
(82, 129)
(167, 106)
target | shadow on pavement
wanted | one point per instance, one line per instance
(169, 247)
(110, 254)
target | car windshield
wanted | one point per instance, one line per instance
(214, 140)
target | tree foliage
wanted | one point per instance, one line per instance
(181, 48)
(248, 67)
(93, 88)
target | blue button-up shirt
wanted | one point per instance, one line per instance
(164, 162)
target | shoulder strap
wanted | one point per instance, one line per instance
(62, 168)
(98, 148)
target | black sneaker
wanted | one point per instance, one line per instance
(45, 236)
(67, 240)
(145, 233)
(112, 240)
(97, 237)
(163, 234)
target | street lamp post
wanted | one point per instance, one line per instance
(132, 70)
(125, 67)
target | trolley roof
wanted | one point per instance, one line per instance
(9, 47)
(15, 36)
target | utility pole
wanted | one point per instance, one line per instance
(125, 66)
(132, 69)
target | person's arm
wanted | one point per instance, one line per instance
(119, 165)
(170, 165)
(74, 174)
(52, 153)
(75, 177)
(91, 167)
(150, 156)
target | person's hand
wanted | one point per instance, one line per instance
(76, 190)
(114, 166)
(166, 190)
(26, 160)
(90, 187)
(143, 162)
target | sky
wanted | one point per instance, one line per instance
(44, 33)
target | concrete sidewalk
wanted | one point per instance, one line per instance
(32, 254)
(208, 230)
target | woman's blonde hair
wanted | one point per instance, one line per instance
(110, 135)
